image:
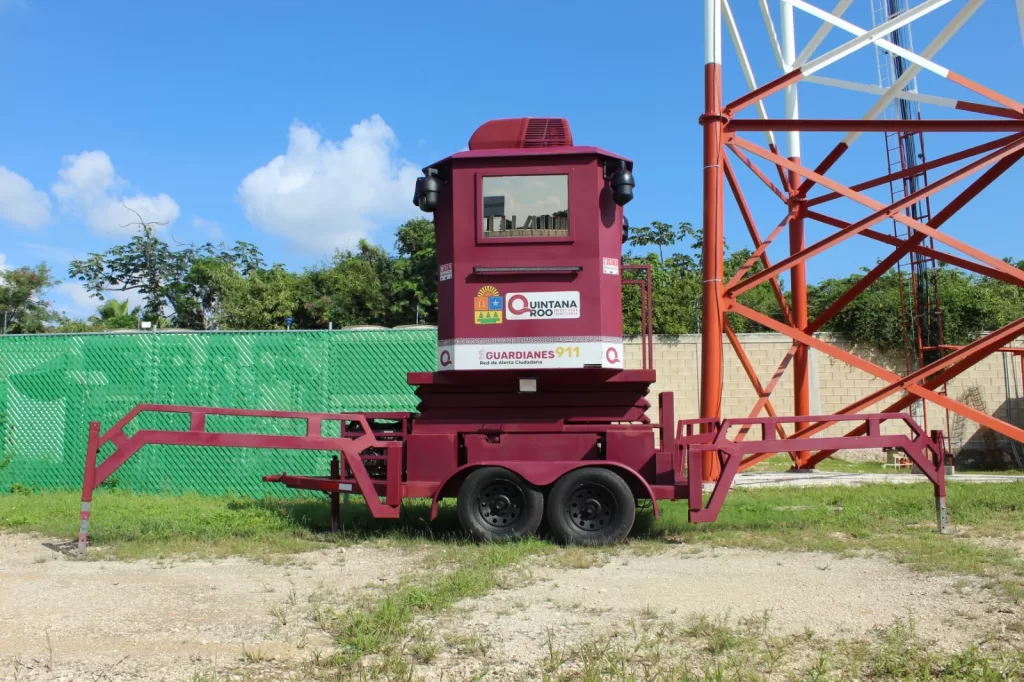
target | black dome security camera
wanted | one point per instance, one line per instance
(428, 190)
(622, 185)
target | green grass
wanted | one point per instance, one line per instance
(379, 624)
(129, 526)
(897, 520)
(782, 462)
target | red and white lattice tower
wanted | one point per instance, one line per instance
(989, 124)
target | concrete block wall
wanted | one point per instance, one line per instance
(834, 383)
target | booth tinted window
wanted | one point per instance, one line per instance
(526, 206)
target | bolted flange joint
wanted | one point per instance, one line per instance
(709, 117)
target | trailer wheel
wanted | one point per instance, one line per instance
(591, 506)
(497, 504)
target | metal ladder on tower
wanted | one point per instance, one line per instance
(922, 335)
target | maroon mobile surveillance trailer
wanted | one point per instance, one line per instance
(531, 413)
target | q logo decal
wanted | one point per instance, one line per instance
(446, 358)
(518, 304)
(612, 356)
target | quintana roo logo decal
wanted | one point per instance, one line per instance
(488, 306)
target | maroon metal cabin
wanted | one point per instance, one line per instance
(529, 242)
(531, 414)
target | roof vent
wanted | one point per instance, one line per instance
(522, 133)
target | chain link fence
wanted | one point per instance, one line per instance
(52, 386)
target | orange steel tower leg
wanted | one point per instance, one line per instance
(798, 206)
(798, 283)
(712, 312)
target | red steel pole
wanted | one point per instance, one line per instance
(798, 211)
(798, 284)
(88, 485)
(712, 314)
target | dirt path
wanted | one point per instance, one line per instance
(62, 619)
(831, 596)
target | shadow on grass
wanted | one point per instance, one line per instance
(357, 524)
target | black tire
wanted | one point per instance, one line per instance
(591, 506)
(497, 504)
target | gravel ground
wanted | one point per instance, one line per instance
(832, 596)
(62, 619)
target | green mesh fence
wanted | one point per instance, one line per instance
(52, 386)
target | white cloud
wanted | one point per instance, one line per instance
(20, 203)
(210, 228)
(76, 301)
(3, 262)
(323, 194)
(89, 187)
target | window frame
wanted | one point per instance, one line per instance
(481, 240)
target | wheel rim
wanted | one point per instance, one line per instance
(500, 504)
(590, 507)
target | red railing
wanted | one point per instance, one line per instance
(357, 435)
(646, 311)
(691, 445)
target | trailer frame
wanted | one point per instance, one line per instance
(380, 437)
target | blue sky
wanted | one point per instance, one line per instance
(300, 126)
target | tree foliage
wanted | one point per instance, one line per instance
(215, 287)
(186, 283)
(969, 305)
(114, 314)
(678, 281)
(219, 287)
(21, 299)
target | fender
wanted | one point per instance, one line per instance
(542, 474)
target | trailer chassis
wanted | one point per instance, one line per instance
(377, 438)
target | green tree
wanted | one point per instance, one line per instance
(872, 318)
(263, 300)
(146, 264)
(675, 279)
(970, 305)
(660, 235)
(113, 309)
(354, 289)
(114, 314)
(199, 296)
(210, 287)
(67, 325)
(415, 273)
(189, 280)
(678, 282)
(760, 299)
(22, 303)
